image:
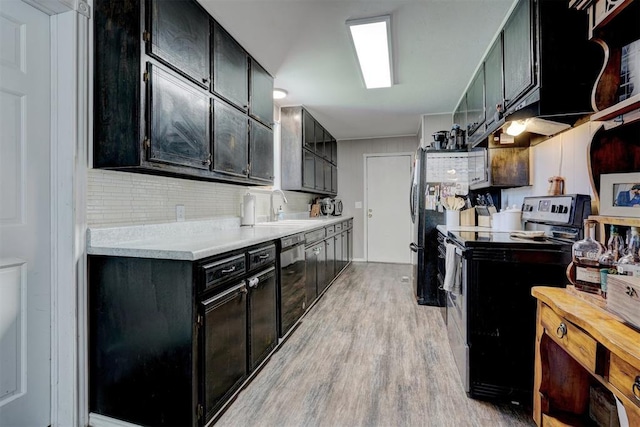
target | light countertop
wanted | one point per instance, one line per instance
(193, 240)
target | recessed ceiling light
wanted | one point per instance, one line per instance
(279, 93)
(371, 39)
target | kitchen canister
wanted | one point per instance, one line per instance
(452, 218)
(248, 209)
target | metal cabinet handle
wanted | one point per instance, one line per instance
(253, 283)
(635, 389)
(264, 256)
(229, 270)
(561, 331)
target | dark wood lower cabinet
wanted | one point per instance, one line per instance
(172, 341)
(224, 346)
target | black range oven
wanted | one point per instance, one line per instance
(491, 320)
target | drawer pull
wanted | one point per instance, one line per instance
(561, 331)
(635, 389)
(229, 270)
(264, 256)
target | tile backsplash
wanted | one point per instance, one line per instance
(123, 198)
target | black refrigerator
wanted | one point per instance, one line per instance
(424, 246)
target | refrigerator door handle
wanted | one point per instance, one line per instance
(414, 247)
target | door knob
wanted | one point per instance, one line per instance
(370, 216)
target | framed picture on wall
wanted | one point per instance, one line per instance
(620, 194)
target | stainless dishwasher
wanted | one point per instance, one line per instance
(292, 282)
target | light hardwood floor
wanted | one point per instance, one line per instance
(366, 355)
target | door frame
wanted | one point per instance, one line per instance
(70, 120)
(365, 217)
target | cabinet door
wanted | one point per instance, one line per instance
(179, 121)
(261, 99)
(310, 284)
(230, 68)
(261, 152)
(345, 249)
(180, 37)
(308, 170)
(460, 113)
(327, 175)
(350, 244)
(308, 131)
(262, 316)
(319, 139)
(494, 94)
(319, 168)
(223, 339)
(475, 102)
(334, 179)
(518, 53)
(330, 267)
(334, 151)
(230, 154)
(337, 240)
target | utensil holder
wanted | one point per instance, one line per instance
(452, 218)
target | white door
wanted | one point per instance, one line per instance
(388, 225)
(25, 216)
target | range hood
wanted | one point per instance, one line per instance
(534, 125)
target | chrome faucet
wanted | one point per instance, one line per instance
(272, 215)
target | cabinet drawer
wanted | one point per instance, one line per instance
(331, 229)
(625, 378)
(262, 256)
(338, 227)
(220, 271)
(575, 342)
(314, 236)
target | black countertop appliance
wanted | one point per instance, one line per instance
(491, 318)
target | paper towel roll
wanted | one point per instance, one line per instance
(248, 209)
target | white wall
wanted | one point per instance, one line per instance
(563, 155)
(351, 178)
(431, 123)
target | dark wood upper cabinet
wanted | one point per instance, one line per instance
(519, 74)
(261, 99)
(261, 152)
(179, 125)
(494, 90)
(156, 64)
(230, 143)
(304, 168)
(179, 36)
(475, 102)
(230, 68)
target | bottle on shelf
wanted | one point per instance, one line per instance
(630, 263)
(586, 253)
(609, 259)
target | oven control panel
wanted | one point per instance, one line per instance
(557, 209)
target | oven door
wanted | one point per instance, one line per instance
(457, 323)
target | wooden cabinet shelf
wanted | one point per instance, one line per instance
(623, 107)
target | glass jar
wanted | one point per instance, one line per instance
(609, 259)
(586, 255)
(630, 263)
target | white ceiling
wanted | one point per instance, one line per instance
(304, 44)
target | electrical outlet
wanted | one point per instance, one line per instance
(179, 213)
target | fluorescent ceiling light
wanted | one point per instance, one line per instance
(279, 93)
(372, 41)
